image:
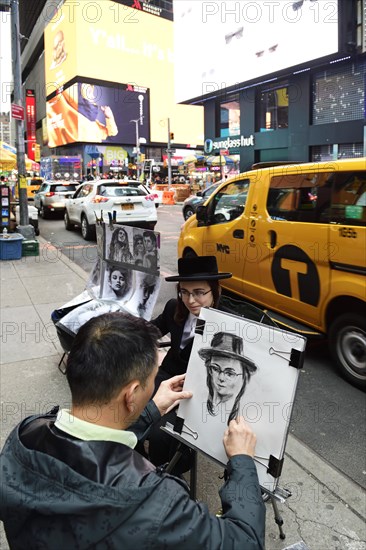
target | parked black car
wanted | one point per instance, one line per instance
(190, 205)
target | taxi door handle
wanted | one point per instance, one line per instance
(238, 234)
(272, 238)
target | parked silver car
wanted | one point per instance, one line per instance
(51, 196)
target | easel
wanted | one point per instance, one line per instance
(279, 494)
(294, 358)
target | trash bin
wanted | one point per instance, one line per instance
(11, 246)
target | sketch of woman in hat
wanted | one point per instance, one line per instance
(228, 373)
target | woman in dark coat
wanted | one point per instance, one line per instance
(197, 286)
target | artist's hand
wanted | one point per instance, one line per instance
(170, 393)
(239, 438)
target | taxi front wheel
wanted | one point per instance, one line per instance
(347, 339)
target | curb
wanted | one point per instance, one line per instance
(341, 486)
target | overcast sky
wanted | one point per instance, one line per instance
(5, 60)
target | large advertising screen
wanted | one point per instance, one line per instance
(108, 41)
(232, 42)
(91, 113)
(160, 8)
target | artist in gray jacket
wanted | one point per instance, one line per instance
(71, 479)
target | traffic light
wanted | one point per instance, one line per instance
(171, 136)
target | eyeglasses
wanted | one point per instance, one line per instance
(196, 294)
(227, 373)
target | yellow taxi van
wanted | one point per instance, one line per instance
(33, 184)
(294, 238)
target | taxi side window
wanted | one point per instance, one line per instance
(348, 205)
(229, 203)
(328, 197)
(299, 197)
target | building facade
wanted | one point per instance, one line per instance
(102, 75)
(311, 108)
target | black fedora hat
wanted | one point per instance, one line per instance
(225, 344)
(199, 268)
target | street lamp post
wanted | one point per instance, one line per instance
(18, 100)
(137, 121)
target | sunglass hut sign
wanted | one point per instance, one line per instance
(228, 143)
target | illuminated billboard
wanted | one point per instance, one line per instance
(108, 41)
(161, 8)
(91, 113)
(30, 110)
(232, 42)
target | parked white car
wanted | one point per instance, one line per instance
(158, 195)
(128, 205)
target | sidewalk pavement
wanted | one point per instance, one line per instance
(326, 510)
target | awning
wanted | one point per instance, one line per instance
(8, 159)
(220, 160)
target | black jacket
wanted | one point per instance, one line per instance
(176, 360)
(60, 492)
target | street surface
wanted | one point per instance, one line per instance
(329, 414)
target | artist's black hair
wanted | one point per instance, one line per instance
(108, 352)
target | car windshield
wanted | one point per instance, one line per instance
(211, 189)
(106, 191)
(62, 188)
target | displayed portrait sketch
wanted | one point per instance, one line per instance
(243, 368)
(146, 291)
(151, 260)
(76, 318)
(138, 248)
(95, 279)
(118, 244)
(130, 245)
(118, 283)
(125, 276)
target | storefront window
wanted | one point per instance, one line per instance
(230, 116)
(273, 109)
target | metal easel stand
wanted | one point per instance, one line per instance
(279, 494)
(192, 472)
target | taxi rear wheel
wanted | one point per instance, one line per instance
(347, 339)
